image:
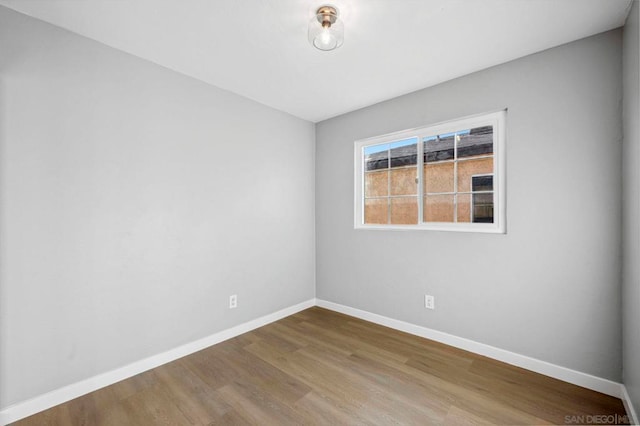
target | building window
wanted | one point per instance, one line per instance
(448, 176)
(482, 199)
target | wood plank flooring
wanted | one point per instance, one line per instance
(322, 367)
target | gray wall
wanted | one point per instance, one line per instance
(550, 287)
(631, 207)
(133, 202)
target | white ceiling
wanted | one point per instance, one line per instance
(259, 48)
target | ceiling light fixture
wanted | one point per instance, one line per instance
(326, 31)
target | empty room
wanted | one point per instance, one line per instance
(287, 212)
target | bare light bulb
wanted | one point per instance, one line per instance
(326, 31)
(325, 40)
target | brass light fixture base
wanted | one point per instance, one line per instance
(327, 15)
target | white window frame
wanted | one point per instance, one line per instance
(494, 119)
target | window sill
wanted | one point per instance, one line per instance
(475, 228)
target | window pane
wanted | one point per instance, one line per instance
(477, 141)
(404, 210)
(438, 148)
(471, 167)
(438, 177)
(404, 153)
(403, 181)
(483, 208)
(376, 157)
(376, 210)
(482, 183)
(463, 212)
(376, 184)
(438, 208)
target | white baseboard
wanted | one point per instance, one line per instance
(565, 374)
(628, 406)
(40, 403)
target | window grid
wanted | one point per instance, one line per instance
(455, 177)
(389, 169)
(420, 164)
(389, 185)
(457, 128)
(455, 161)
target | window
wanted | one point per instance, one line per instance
(448, 176)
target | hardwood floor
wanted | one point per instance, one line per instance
(322, 367)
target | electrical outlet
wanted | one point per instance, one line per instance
(233, 301)
(429, 302)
